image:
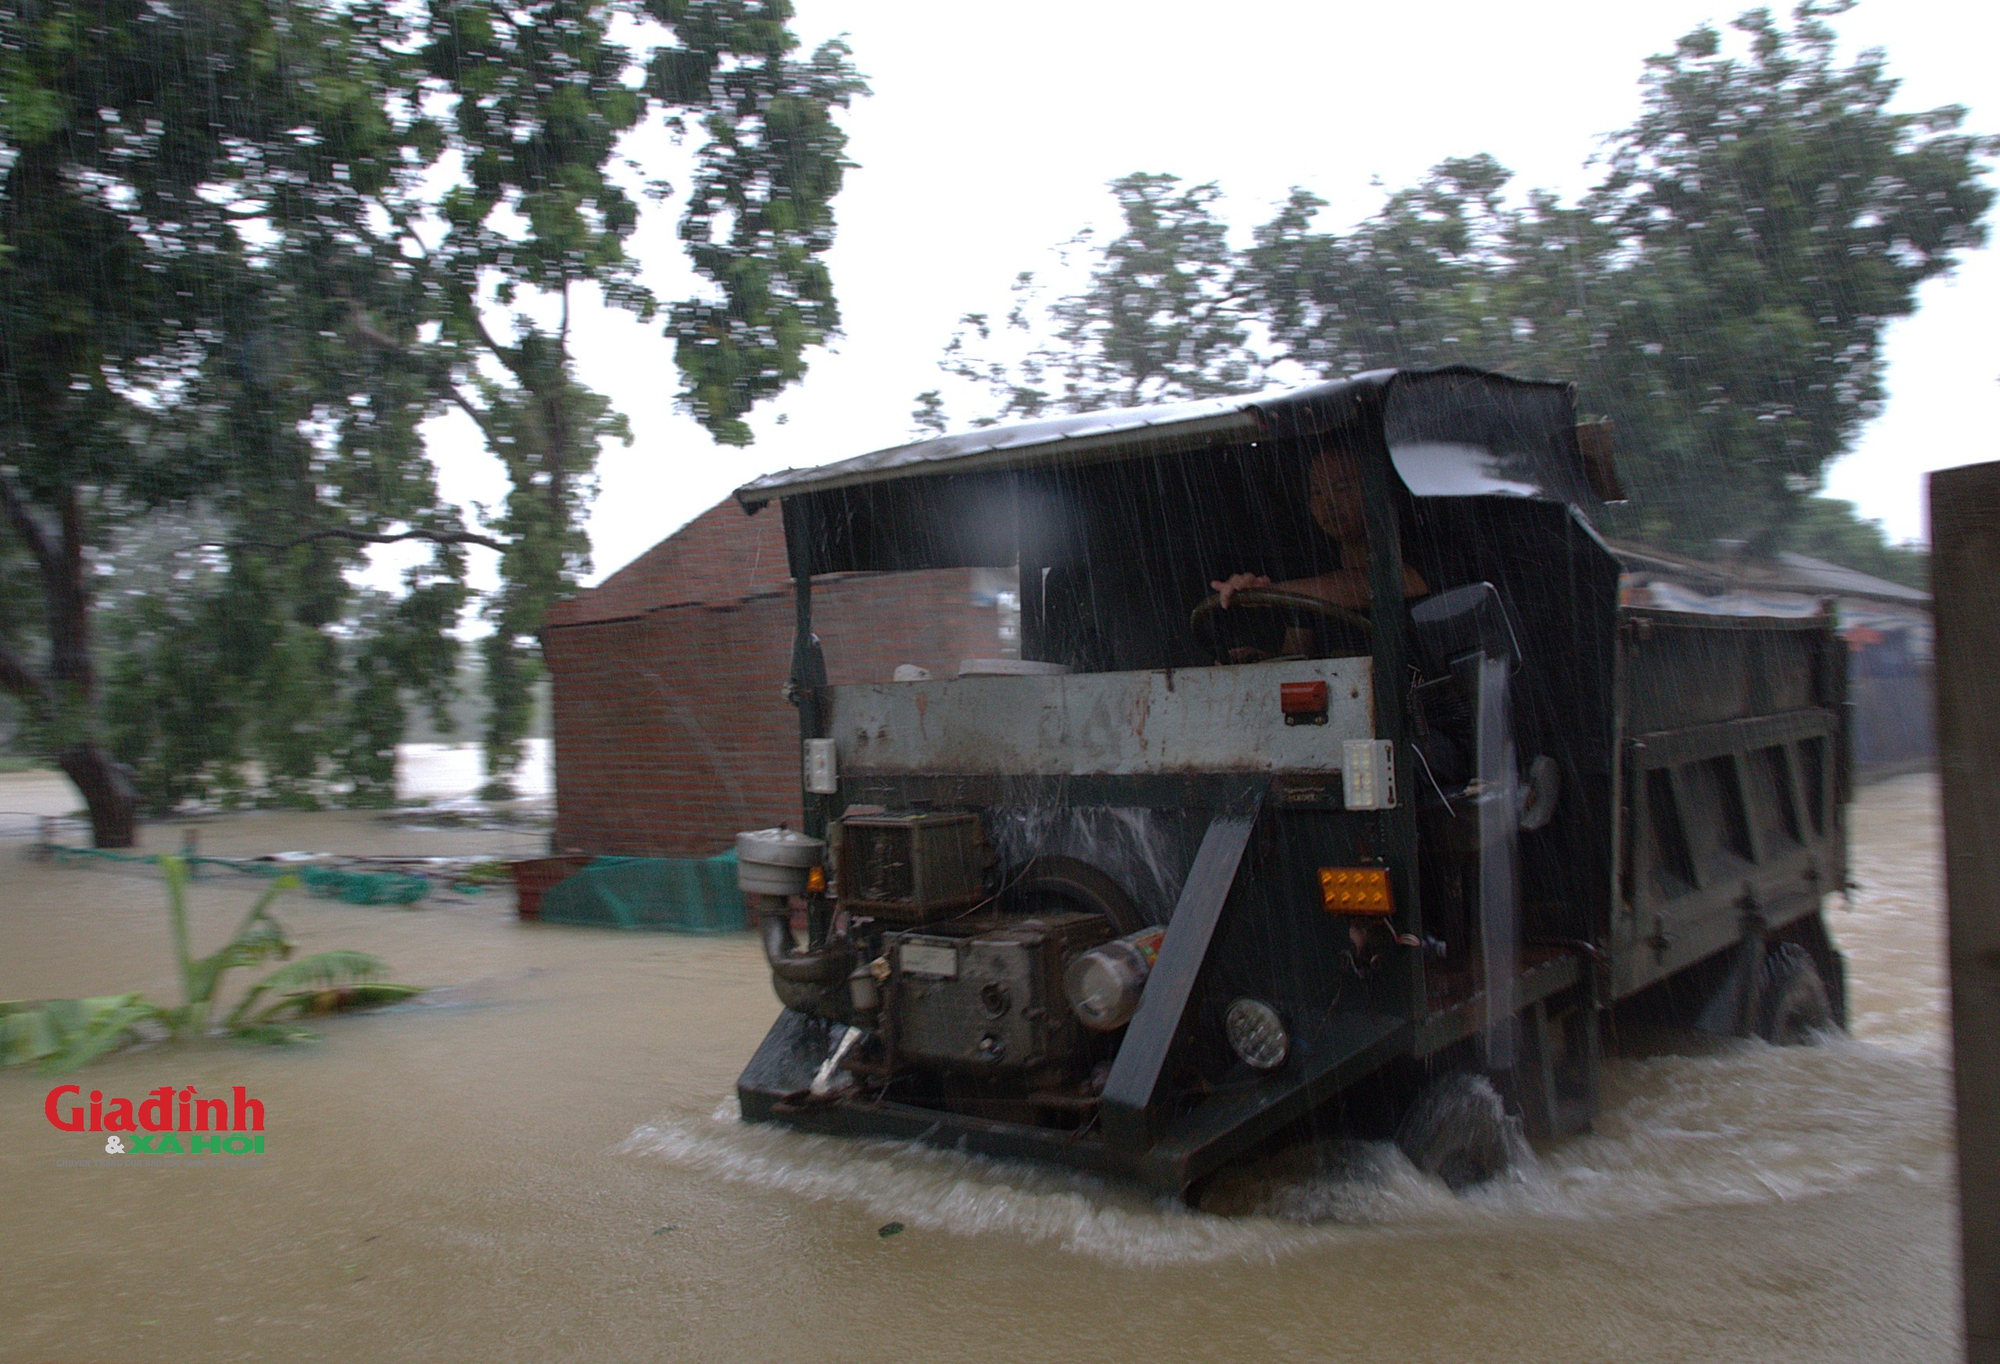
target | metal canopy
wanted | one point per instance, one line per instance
(1113, 434)
(1454, 431)
(1171, 489)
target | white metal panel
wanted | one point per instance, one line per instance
(1224, 719)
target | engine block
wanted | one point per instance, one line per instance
(990, 1001)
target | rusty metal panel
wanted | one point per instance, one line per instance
(1224, 719)
(1965, 564)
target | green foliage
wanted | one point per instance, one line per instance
(1721, 294)
(927, 417)
(247, 249)
(511, 670)
(63, 1034)
(540, 96)
(771, 165)
(260, 937)
(185, 258)
(1828, 528)
(346, 976)
(217, 689)
(1780, 216)
(1159, 320)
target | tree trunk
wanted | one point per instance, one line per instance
(107, 789)
(67, 699)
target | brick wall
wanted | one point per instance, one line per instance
(721, 556)
(670, 732)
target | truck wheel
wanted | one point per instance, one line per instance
(1457, 1130)
(1072, 884)
(1793, 1008)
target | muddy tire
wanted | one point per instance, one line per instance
(1793, 1008)
(1457, 1130)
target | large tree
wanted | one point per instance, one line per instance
(538, 97)
(154, 349)
(1722, 293)
(228, 274)
(1158, 319)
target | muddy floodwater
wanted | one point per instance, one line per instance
(541, 1161)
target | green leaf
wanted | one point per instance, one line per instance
(321, 971)
(272, 1034)
(259, 938)
(340, 999)
(63, 1034)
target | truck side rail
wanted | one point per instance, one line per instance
(1734, 824)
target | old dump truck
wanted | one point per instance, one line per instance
(1333, 792)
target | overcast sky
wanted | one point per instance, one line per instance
(993, 129)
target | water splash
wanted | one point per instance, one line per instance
(1744, 1123)
(1755, 1124)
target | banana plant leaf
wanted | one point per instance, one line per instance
(259, 938)
(63, 1034)
(273, 1034)
(321, 972)
(340, 999)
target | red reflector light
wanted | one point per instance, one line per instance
(1302, 702)
(1355, 890)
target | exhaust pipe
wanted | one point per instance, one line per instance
(813, 983)
(788, 960)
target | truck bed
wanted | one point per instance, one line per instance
(1732, 780)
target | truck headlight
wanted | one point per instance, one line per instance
(1104, 984)
(1256, 1034)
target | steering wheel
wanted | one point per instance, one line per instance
(1259, 621)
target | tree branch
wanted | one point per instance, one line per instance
(17, 677)
(25, 525)
(358, 319)
(479, 418)
(436, 537)
(506, 355)
(366, 330)
(70, 663)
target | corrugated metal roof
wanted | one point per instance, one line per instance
(1848, 582)
(1107, 434)
(1783, 572)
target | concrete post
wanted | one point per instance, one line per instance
(1965, 579)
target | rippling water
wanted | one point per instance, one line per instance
(544, 1163)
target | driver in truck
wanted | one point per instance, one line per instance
(1333, 485)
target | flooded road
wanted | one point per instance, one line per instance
(424, 772)
(541, 1161)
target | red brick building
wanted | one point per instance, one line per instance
(670, 730)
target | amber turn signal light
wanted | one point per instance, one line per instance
(1355, 890)
(816, 881)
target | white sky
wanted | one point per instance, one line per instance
(994, 128)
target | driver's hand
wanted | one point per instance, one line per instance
(1225, 588)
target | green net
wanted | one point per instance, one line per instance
(354, 886)
(663, 894)
(365, 887)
